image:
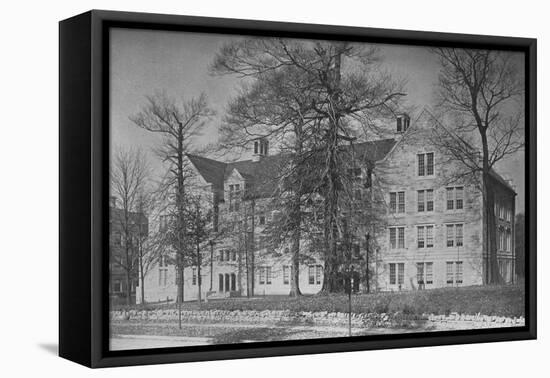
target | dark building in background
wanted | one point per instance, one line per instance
(123, 252)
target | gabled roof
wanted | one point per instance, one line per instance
(374, 150)
(211, 170)
(494, 174)
(262, 172)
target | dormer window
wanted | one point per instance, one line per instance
(403, 122)
(261, 148)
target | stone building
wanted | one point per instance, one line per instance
(429, 233)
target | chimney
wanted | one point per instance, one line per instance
(403, 122)
(261, 148)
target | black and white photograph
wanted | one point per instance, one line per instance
(270, 189)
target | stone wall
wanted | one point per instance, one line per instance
(366, 320)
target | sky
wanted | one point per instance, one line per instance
(144, 62)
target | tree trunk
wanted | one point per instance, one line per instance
(492, 271)
(332, 281)
(199, 273)
(295, 271)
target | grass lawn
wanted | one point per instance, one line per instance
(506, 300)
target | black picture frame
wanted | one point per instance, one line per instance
(83, 196)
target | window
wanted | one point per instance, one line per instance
(318, 274)
(311, 274)
(450, 199)
(430, 164)
(421, 200)
(265, 275)
(227, 255)
(397, 237)
(429, 200)
(233, 282)
(429, 236)
(429, 271)
(450, 235)
(455, 198)
(508, 240)
(393, 202)
(421, 167)
(459, 272)
(314, 274)
(459, 197)
(117, 286)
(163, 271)
(400, 277)
(455, 235)
(233, 255)
(425, 163)
(286, 274)
(424, 273)
(234, 197)
(220, 282)
(449, 273)
(459, 228)
(262, 220)
(420, 236)
(194, 278)
(454, 272)
(401, 202)
(221, 255)
(501, 239)
(425, 236)
(268, 275)
(397, 202)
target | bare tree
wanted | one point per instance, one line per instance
(325, 91)
(178, 124)
(128, 178)
(148, 243)
(482, 90)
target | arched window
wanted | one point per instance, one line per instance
(233, 282)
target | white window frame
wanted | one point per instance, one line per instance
(425, 273)
(399, 273)
(454, 273)
(422, 234)
(452, 235)
(399, 206)
(163, 271)
(399, 231)
(423, 157)
(425, 201)
(286, 274)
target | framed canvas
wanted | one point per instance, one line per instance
(234, 188)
